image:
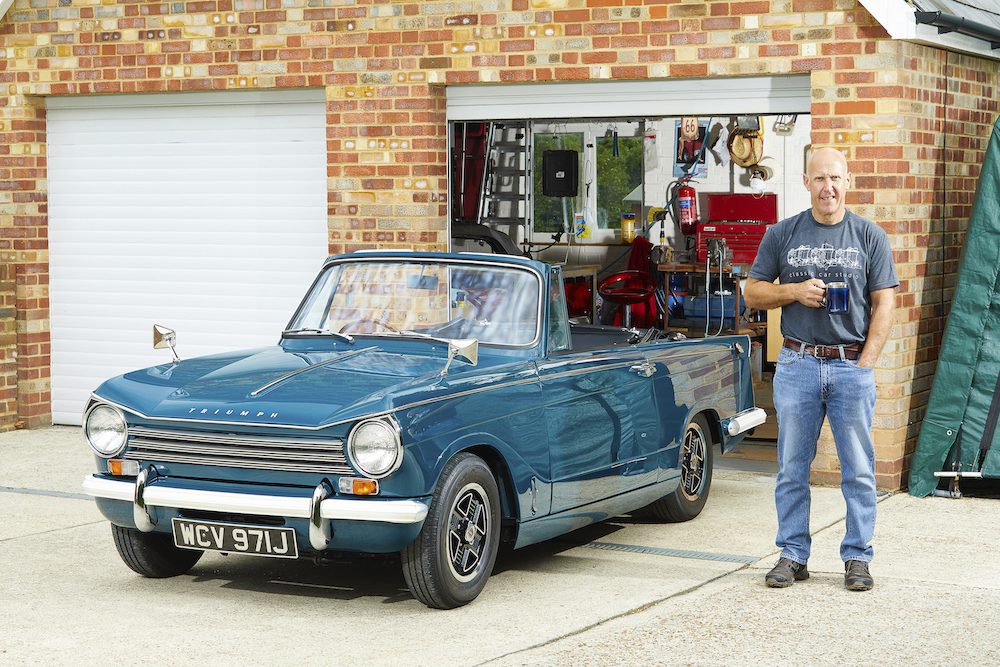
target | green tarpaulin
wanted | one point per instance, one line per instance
(965, 397)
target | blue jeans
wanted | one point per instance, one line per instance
(806, 390)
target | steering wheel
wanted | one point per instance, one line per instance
(381, 323)
(627, 287)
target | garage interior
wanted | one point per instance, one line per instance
(666, 209)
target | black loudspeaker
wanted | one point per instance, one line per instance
(560, 173)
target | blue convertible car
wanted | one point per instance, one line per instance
(428, 404)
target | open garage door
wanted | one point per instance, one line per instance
(205, 212)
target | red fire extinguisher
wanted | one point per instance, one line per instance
(687, 208)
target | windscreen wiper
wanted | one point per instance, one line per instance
(323, 332)
(417, 334)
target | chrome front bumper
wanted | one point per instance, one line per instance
(319, 509)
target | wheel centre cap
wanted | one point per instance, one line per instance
(470, 532)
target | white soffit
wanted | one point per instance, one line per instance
(898, 19)
(204, 212)
(653, 98)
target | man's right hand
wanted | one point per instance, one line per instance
(811, 293)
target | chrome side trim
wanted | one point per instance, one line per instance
(346, 509)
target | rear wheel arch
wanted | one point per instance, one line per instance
(714, 422)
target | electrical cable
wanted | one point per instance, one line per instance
(722, 296)
(708, 291)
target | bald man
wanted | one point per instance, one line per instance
(826, 365)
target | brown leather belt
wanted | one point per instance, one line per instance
(852, 351)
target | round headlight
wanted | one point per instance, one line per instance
(375, 448)
(106, 430)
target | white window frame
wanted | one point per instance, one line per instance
(591, 131)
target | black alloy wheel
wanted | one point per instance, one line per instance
(450, 561)
(695, 462)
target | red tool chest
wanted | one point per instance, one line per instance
(741, 219)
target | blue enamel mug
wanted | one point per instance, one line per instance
(837, 298)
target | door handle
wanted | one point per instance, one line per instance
(645, 369)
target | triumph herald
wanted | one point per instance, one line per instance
(429, 404)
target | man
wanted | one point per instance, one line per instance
(826, 365)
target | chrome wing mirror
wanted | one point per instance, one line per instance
(467, 348)
(164, 338)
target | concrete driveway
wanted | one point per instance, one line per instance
(627, 591)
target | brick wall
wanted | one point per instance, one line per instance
(385, 66)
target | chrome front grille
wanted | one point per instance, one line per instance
(288, 454)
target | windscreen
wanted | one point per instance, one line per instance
(494, 304)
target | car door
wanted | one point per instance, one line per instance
(687, 377)
(600, 414)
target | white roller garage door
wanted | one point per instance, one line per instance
(202, 212)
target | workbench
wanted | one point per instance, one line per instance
(731, 274)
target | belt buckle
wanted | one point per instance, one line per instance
(820, 351)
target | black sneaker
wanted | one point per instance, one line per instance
(856, 576)
(786, 573)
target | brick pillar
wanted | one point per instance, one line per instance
(8, 348)
(888, 111)
(387, 163)
(24, 246)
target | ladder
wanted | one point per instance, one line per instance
(505, 194)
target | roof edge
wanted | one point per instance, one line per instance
(4, 6)
(898, 17)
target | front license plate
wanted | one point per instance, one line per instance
(235, 538)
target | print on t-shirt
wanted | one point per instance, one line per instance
(825, 256)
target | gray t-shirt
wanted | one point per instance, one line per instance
(854, 250)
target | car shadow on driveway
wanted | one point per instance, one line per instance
(351, 577)
(337, 578)
(537, 557)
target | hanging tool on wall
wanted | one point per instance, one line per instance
(746, 142)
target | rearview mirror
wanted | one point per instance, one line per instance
(422, 282)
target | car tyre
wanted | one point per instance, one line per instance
(450, 561)
(153, 554)
(695, 460)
